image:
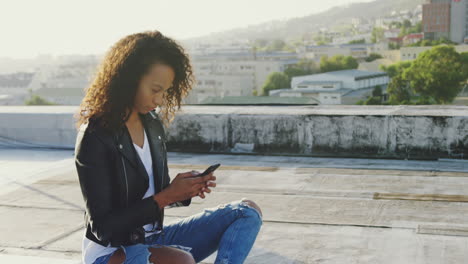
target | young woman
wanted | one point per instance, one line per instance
(120, 157)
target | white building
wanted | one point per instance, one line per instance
(14, 87)
(358, 51)
(338, 87)
(411, 53)
(233, 72)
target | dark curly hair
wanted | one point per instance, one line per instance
(110, 97)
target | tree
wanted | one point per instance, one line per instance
(337, 63)
(464, 60)
(303, 67)
(377, 34)
(437, 73)
(406, 23)
(276, 80)
(377, 92)
(37, 100)
(373, 57)
(322, 40)
(357, 41)
(395, 69)
(276, 44)
(398, 89)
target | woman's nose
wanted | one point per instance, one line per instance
(158, 100)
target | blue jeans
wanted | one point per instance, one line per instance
(230, 228)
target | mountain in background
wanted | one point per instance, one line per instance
(295, 28)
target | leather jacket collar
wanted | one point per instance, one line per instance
(156, 135)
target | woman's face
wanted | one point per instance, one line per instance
(152, 87)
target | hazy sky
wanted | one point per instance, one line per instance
(34, 27)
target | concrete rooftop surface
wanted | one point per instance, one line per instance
(316, 210)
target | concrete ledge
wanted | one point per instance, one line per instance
(400, 132)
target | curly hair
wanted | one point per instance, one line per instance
(110, 97)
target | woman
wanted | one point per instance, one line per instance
(121, 162)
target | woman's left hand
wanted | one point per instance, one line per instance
(206, 188)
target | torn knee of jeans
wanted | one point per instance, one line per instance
(149, 257)
(245, 202)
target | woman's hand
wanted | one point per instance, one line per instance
(209, 183)
(184, 187)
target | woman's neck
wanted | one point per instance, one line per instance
(134, 119)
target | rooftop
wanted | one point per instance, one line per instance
(315, 209)
(337, 75)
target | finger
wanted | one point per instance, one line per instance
(198, 186)
(208, 190)
(188, 174)
(211, 184)
(202, 195)
(207, 177)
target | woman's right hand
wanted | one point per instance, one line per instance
(182, 187)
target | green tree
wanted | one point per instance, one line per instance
(377, 92)
(373, 100)
(37, 100)
(377, 34)
(406, 23)
(395, 69)
(276, 80)
(337, 63)
(322, 40)
(464, 60)
(357, 41)
(437, 73)
(276, 45)
(373, 57)
(303, 67)
(398, 89)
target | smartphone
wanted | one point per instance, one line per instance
(207, 171)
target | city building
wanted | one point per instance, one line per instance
(64, 84)
(14, 87)
(446, 19)
(234, 72)
(338, 87)
(411, 53)
(412, 38)
(358, 51)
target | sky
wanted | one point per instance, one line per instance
(58, 27)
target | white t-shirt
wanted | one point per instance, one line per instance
(92, 250)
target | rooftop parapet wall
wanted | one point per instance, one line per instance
(404, 132)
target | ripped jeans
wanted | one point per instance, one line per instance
(230, 228)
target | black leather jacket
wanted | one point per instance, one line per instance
(113, 181)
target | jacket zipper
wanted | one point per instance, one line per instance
(126, 180)
(162, 181)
